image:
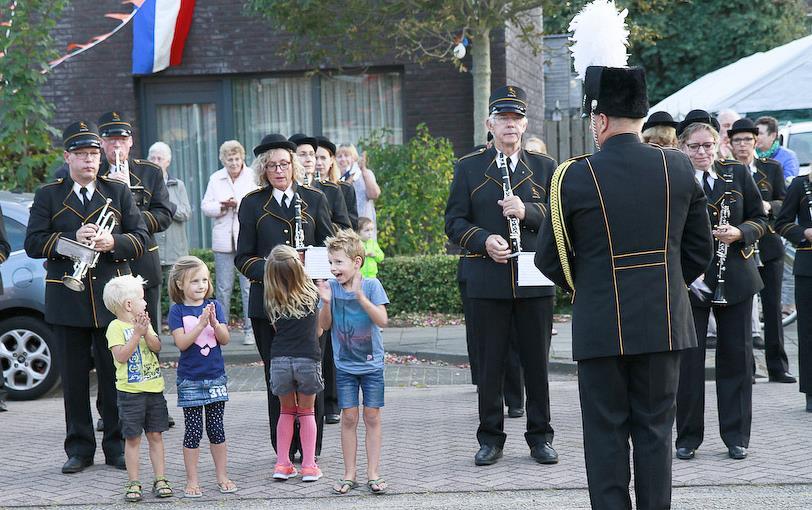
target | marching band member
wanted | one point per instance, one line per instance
(306, 147)
(326, 163)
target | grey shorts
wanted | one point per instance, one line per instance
(142, 412)
(302, 375)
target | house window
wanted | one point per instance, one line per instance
(352, 107)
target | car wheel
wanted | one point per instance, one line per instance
(27, 359)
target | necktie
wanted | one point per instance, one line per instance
(284, 201)
(510, 165)
(706, 186)
(85, 199)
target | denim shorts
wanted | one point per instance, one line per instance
(142, 412)
(302, 375)
(347, 386)
(199, 393)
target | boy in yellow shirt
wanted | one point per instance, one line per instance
(372, 252)
(139, 383)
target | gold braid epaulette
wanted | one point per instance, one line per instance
(562, 241)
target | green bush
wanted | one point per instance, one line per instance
(425, 283)
(414, 180)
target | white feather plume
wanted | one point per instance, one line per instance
(599, 36)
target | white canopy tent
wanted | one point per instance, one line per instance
(779, 79)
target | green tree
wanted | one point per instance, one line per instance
(415, 179)
(678, 41)
(26, 45)
(330, 33)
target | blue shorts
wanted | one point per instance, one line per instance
(347, 386)
(199, 393)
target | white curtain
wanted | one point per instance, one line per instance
(352, 107)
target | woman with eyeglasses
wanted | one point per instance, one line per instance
(328, 167)
(729, 187)
(267, 219)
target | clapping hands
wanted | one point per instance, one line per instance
(141, 325)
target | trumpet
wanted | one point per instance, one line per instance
(83, 255)
(120, 167)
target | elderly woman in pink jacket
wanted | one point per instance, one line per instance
(225, 191)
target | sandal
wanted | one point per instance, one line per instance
(344, 486)
(377, 486)
(161, 488)
(192, 491)
(227, 487)
(133, 491)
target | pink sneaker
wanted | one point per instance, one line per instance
(311, 474)
(283, 472)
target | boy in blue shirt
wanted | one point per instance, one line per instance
(354, 308)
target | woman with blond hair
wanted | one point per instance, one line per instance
(327, 166)
(353, 169)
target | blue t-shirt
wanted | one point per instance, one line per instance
(357, 341)
(204, 358)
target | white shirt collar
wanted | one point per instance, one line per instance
(77, 188)
(699, 174)
(278, 195)
(514, 159)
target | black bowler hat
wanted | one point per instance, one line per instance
(615, 92)
(113, 124)
(325, 142)
(744, 125)
(302, 139)
(508, 99)
(698, 116)
(80, 135)
(660, 119)
(274, 141)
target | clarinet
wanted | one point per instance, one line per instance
(514, 228)
(721, 251)
(298, 241)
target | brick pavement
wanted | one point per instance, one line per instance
(429, 442)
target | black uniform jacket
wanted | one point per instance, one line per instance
(264, 224)
(793, 219)
(152, 199)
(769, 179)
(339, 214)
(742, 279)
(5, 247)
(58, 212)
(351, 200)
(638, 231)
(472, 214)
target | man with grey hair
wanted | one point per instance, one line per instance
(726, 119)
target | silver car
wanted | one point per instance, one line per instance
(26, 356)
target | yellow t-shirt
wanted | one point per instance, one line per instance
(141, 373)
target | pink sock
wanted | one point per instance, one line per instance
(284, 434)
(307, 434)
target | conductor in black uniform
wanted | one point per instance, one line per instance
(628, 229)
(769, 177)
(70, 209)
(728, 185)
(476, 220)
(150, 195)
(266, 220)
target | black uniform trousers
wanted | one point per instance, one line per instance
(328, 373)
(490, 325)
(772, 274)
(514, 380)
(621, 397)
(152, 295)
(264, 333)
(734, 385)
(73, 349)
(803, 303)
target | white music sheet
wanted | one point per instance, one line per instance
(317, 266)
(529, 275)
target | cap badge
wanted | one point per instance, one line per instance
(116, 116)
(82, 126)
(511, 92)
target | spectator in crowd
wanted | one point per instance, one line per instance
(767, 146)
(726, 118)
(372, 251)
(535, 144)
(173, 242)
(354, 170)
(327, 166)
(225, 191)
(661, 129)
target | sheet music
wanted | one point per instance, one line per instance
(529, 275)
(317, 266)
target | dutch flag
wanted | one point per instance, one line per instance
(160, 28)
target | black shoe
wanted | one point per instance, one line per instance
(710, 342)
(171, 422)
(487, 455)
(544, 453)
(117, 462)
(684, 453)
(76, 465)
(737, 452)
(3, 406)
(758, 342)
(782, 377)
(515, 412)
(332, 419)
(100, 425)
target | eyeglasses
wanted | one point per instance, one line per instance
(505, 118)
(743, 141)
(284, 165)
(86, 154)
(707, 146)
